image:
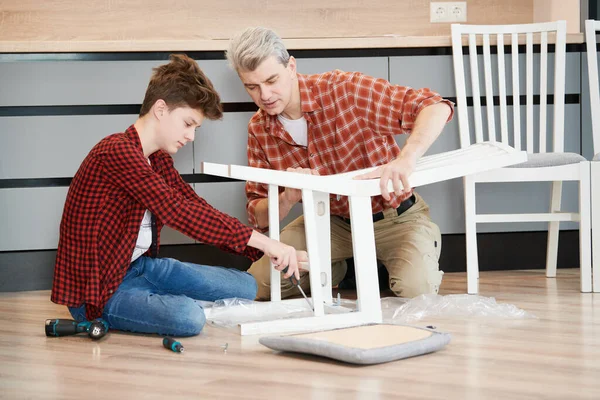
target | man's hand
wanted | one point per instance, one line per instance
(428, 125)
(398, 171)
(292, 196)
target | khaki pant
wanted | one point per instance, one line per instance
(408, 245)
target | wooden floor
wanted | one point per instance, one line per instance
(556, 356)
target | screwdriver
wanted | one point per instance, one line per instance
(297, 284)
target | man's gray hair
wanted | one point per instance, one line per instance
(253, 46)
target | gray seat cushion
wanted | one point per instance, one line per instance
(367, 344)
(538, 160)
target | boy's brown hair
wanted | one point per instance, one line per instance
(182, 83)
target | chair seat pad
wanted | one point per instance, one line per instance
(367, 344)
(540, 160)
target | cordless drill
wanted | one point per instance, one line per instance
(95, 329)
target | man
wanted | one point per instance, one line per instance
(124, 192)
(332, 123)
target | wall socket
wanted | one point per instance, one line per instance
(443, 12)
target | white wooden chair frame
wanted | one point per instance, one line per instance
(315, 200)
(591, 27)
(556, 174)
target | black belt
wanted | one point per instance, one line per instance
(405, 205)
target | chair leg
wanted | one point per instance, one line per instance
(313, 244)
(595, 208)
(365, 258)
(274, 234)
(317, 225)
(471, 236)
(553, 230)
(585, 250)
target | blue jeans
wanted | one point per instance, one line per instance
(158, 295)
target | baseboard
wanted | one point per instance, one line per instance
(33, 270)
(509, 251)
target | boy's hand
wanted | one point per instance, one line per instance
(283, 255)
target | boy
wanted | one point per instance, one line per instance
(124, 192)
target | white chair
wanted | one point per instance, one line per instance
(547, 161)
(591, 27)
(315, 201)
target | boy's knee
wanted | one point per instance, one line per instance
(190, 320)
(249, 287)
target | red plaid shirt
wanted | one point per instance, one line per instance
(103, 212)
(352, 119)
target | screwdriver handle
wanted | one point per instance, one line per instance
(172, 344)
(291, 278)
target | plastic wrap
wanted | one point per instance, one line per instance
(404, 311)
(229, 313)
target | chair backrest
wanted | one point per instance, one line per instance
(591, 27)
(482, 36)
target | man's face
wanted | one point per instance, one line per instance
(270, 84)
(178, 127)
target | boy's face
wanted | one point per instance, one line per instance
(178, 127)
(270, 84)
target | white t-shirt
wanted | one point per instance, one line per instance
(297, 128)
(144, 240)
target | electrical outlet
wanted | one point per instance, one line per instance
(444, 12)
(457, 11)
(438, 12)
